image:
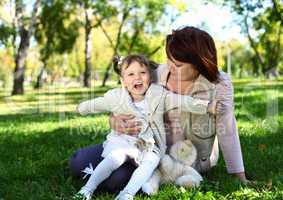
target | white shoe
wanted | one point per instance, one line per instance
(83, 194)
(124, 196)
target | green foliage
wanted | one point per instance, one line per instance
(40, 131)
(241, 59)
(56, 32)
(5, 34)
(142, 21)
(265, 20)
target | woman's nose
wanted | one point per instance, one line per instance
(172, 67)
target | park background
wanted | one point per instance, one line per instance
(56, 53)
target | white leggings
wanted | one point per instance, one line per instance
(113, 161)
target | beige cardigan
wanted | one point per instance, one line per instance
(159, 100)
(202, 129)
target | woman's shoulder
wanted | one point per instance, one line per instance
(224, 88)
(224, 80)
(224, 77)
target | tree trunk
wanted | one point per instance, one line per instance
(255, 66)
(87, 72)
(25, 34)
(260, 62)
(39, 80)
(106, 74)
(19, 73)
(274, 55)
(18, 87)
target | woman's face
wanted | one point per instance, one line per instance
(181, 70)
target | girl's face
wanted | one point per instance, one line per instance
(181, 70)
(136, 79)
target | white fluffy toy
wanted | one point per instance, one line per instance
(175, 168)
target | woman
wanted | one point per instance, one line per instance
(191, 69)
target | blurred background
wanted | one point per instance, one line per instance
(71, 43)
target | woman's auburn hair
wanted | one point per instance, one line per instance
(194, 46)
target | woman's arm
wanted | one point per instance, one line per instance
(227, 130)
(125, 124)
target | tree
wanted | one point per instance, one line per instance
(136, 17)
(19, 29)
(24, 27)
(102, 11)
(56, 32)
(265, 20)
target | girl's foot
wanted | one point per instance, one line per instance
(83, 194)
(124, 196)
(79, 196)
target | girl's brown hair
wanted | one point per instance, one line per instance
(120, 63)
(192, 45)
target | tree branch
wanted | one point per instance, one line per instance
(118, 38)
(99, 23)
(135, 36)
(253, 45)
(33, 17)
(153, 51)
(277, 10)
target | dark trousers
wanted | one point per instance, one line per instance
(92, 154)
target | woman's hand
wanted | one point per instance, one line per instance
(242, 177)
(173, 127)
(216, 107)
(125, 124)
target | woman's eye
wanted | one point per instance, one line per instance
(130, 74)
(143, 72)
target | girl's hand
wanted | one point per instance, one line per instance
(125, 124)
(216, 107)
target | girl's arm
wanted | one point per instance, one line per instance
(186, 103)
(100, 104)
(96, 105)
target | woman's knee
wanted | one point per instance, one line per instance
(119, 178)
(83, 157)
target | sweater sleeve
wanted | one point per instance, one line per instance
(185, 103)
(97, 105)
(226, 127)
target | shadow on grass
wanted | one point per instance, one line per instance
(35, 166)
(39, 161)
(36, 117)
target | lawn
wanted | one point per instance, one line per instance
(40, 130)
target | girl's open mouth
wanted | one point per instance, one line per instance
(138, 86)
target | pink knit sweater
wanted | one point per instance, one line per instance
(226, 127)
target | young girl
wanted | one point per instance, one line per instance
(148, 102)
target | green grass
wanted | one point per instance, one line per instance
(40, 131)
